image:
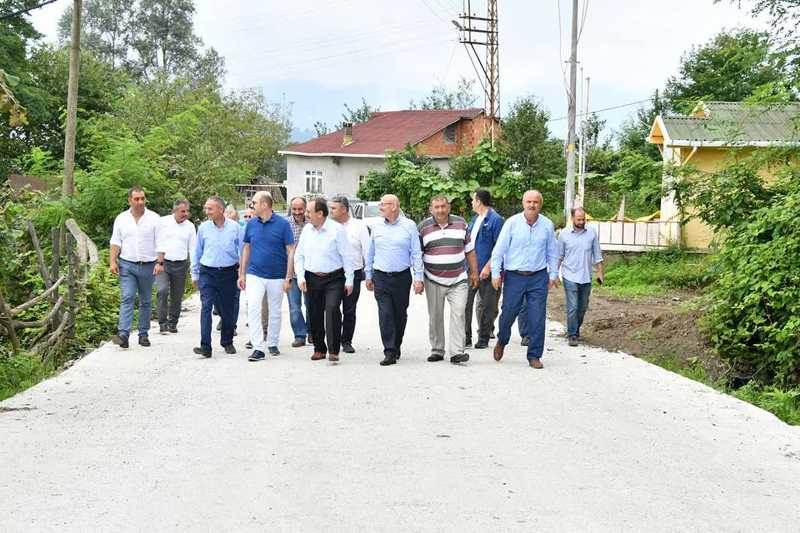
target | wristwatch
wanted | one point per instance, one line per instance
(160, 263)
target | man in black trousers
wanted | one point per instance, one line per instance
(394, 250)
(324, 270)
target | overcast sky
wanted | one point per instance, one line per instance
(315, 55)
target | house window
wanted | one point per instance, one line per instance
(314, 181)
(361, 179)
(450, 134)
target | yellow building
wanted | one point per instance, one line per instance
(705, 138)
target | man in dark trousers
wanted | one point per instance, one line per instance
(176, 242)
(325, 273)
(484, 229)
(215, 271)
(394, 250)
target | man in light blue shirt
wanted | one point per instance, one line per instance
(394, 251)
(578, 250)
(526, 250)
(215, 270)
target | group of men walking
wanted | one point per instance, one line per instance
(320, 254)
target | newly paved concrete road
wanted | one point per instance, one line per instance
(158, 439)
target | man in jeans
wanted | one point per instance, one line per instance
(578, 250)
(176, 241)
(133, 258)
(297, 221)
(444, 237)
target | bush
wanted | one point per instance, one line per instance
(655, 271)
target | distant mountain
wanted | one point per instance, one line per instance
(301, 136)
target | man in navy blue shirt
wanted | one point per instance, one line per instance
(266, 268)
(484, 231)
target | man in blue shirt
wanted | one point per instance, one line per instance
(265, 272)
(484, 231)
(214, 270)
(394, 250)
(526, 249)
(578, 250)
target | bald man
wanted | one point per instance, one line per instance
(526, 248)
(394, 252)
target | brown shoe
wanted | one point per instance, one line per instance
(535, 363)
(317, 356)
(498, 351)
(298, 343)
(333, 357)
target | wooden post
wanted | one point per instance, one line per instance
(48, 279)
(5, 319)
(72, 281)
(68, 186)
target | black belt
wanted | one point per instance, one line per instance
(399, 273)
(527, 272)
(176, 261)
(138, 262)
(328, 274)
(220, 269)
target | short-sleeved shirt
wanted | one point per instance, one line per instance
(443, 249)
(268, 241)
(578, 251)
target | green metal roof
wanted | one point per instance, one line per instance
(735, 123)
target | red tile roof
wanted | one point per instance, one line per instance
(386, 130)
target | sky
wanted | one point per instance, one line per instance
(315, 55)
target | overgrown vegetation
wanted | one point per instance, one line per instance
(653, 273)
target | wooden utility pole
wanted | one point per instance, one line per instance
(489, 74)
(68, 186)
(569, 187)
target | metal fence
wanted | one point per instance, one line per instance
(636, 236)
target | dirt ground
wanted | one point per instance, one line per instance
(656, 328)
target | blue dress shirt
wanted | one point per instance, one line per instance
(324, 250)
(217, 247)
(578, 251)
(395, 247)
(526, 247)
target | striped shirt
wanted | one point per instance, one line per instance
(443, 249)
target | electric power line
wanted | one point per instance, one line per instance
(604, 109)
(26, 11)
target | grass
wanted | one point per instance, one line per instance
(19, 372)
(654, 273)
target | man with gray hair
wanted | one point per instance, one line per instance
(175, 244)
(215, 268)
(297, 221)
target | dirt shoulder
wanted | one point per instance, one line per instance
(663, 328)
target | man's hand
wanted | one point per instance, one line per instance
(473, 280)
(552, 284)
(113, 267)
(287, 284)
(348, 290)
(486, 272)
(241, 283)
(302, 285)
(158, 269)
(368, 283)
(194, 283)
(418, 287)
(496, 282)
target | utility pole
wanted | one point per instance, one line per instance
(489, 73)
(569, 187)
(68, 186)
(583, 153)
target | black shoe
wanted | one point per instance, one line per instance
(480, 345)
(173, 328)
(257, 355)
(459, 358)
(468, 343)
(524, 341)
(273, 350)
(432, 358)
(573, 340)
(248, 345)
(163, 330)
(120, 340)
(144, 341)
(200, 350)
(388, 360)
(348, 348)
(229, 349)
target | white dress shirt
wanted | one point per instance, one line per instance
(358, 237)
(137, 240)
(176, 241)
(324, 250)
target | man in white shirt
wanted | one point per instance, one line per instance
(175, 244)
(325, 273)
(133, 258)
(358, 237)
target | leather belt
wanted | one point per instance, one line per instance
(328, 274)
(221, 269)
(138, 262)
(527, 273)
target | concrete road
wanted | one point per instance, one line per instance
(158, 439)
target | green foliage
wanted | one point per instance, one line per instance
(652, 273)
(639, 178)
(731, 67)
(18, 372)
(463, 97)
(358, 114)
(785, 404)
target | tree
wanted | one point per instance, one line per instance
(463, 97)
(105, 31)
(633, 133)
(731, 67)
(359, 114)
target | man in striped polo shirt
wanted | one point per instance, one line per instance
(443, 237)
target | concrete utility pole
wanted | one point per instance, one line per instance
(569, 187)
(68, 186)
(584, 124)
(490, 64)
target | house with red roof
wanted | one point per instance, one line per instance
(338, 162)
